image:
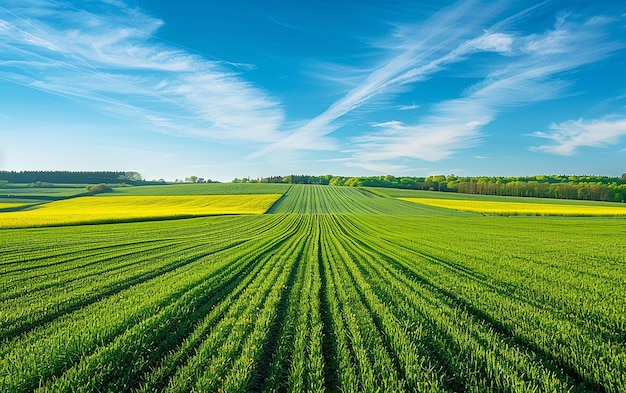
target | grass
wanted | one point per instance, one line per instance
(100, 209)
(59, 191)
(203, 189)
(21, 190)
(319, 199)
(339, 290)
(510, 208)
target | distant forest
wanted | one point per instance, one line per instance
(596, 188)
(70, 177)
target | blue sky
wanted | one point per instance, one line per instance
(251, 89)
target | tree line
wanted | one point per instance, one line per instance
(597, 188)
(71, 177)
(291, 179)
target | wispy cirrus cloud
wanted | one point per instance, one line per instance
(569, 136)
(528, 73)
(379, 167)
(407, 107)
(105, 54)
(413, 54)
(523, 69)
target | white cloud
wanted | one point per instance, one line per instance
(407, 107)
(454, 125)
(569, 136)
(525, 77)
(553, 43)
(106, 55)
(497, 42)
(413, 54)
(524, 74)
(377, 167)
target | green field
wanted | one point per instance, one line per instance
(203, 189)
(20, 190)
(337, 289)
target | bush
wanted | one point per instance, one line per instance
(99, 189)
(40, 184)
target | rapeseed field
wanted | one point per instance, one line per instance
(10, 205)
(99, 209)
(521, 208)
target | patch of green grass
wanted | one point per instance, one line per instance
(318, 199)
(21, 191)
(203, 189)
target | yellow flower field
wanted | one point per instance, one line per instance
(521, 208)
(99, 209)
(10, 205)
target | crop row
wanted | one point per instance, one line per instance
(316, 302)
(56, 339)
(483, 331)
(318, 199)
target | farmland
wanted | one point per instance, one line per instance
(11, 205)
(203, 189)
(335, 289)
(100, 209)
(523, 208)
